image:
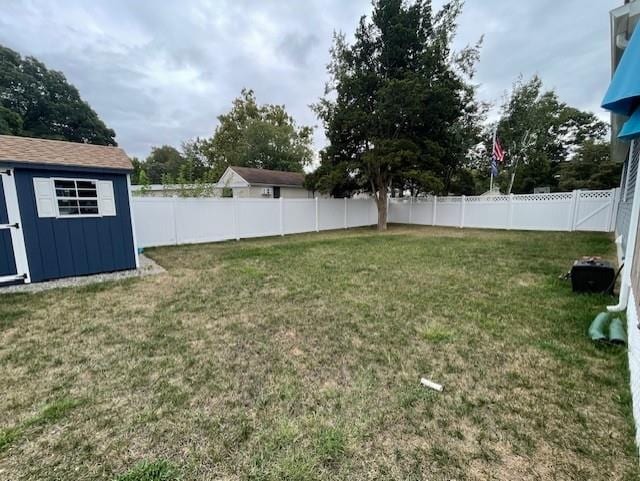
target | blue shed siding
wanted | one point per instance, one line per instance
(75, 246)
(7, 262)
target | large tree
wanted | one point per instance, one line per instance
(38, 102)
(163, 165)
(396, 102)
(591, 168)
(540, 133)
(261, 136)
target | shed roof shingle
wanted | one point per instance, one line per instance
(269, 177)
(56, 152)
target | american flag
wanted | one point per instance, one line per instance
(498, 151)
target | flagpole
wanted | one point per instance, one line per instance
(495, 133)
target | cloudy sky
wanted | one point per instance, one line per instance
(160, 72)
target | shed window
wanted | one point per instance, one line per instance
(76, 197)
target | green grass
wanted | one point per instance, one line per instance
(299, 358)
(155, 471)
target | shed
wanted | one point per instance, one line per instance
(65, 210)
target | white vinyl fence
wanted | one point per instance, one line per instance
(592, 210)
(164, 221)
(169, 220)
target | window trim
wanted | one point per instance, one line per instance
(56, 198)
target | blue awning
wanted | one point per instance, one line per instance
(623, 95)
(631, 128)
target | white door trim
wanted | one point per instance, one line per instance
(133, 223)
(15, 225)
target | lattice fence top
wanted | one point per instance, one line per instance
(450, 199)
(487, 198)
(543, 197)
(454, 199)
(596, 194)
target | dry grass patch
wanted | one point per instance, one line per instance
(299, 358)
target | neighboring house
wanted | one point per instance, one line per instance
(65, 210)
(623, 101)
(175, 190)
(263, 183)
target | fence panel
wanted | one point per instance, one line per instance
(299, 215)
(257, 217)
(399, 211)
(331, 214)
(422, 211)
(196, 221)
(487, 212)
(154, 221)
(449, 211)
(550, 212)
(358, 212)
(594, 210)
(168, 221)
(562, 211)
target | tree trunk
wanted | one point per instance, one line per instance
(381, 201)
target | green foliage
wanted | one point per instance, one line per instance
(540, 133)
(155, 471)
(463, 182)
(398, 111)
(10, 122)
(260, 136)
(591, 168)
(249, 135)
(38, 102)
(163, 165)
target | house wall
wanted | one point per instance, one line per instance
(633, 333)
(75, 246)
(285, 193)
(633, 339)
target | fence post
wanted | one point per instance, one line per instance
(572, 210)
(435, 210)
(317, 218)
(281, 200)
(345, 212)
(510, 220)
(174, 221)
(236, 229)
(615, 193)
(463, 202)
(411, 210)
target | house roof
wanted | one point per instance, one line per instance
(269, 177)
(28, 150)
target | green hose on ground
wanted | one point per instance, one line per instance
(616, 332)
(597, 327)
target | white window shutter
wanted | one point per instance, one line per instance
(106, 199)
(45, 197)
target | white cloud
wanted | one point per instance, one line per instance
(160, 72)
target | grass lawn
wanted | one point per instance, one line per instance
(300, 358)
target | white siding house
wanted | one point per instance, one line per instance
(246, 182)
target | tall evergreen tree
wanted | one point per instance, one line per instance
(396, 101)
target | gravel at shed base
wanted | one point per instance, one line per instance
(147, 268)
